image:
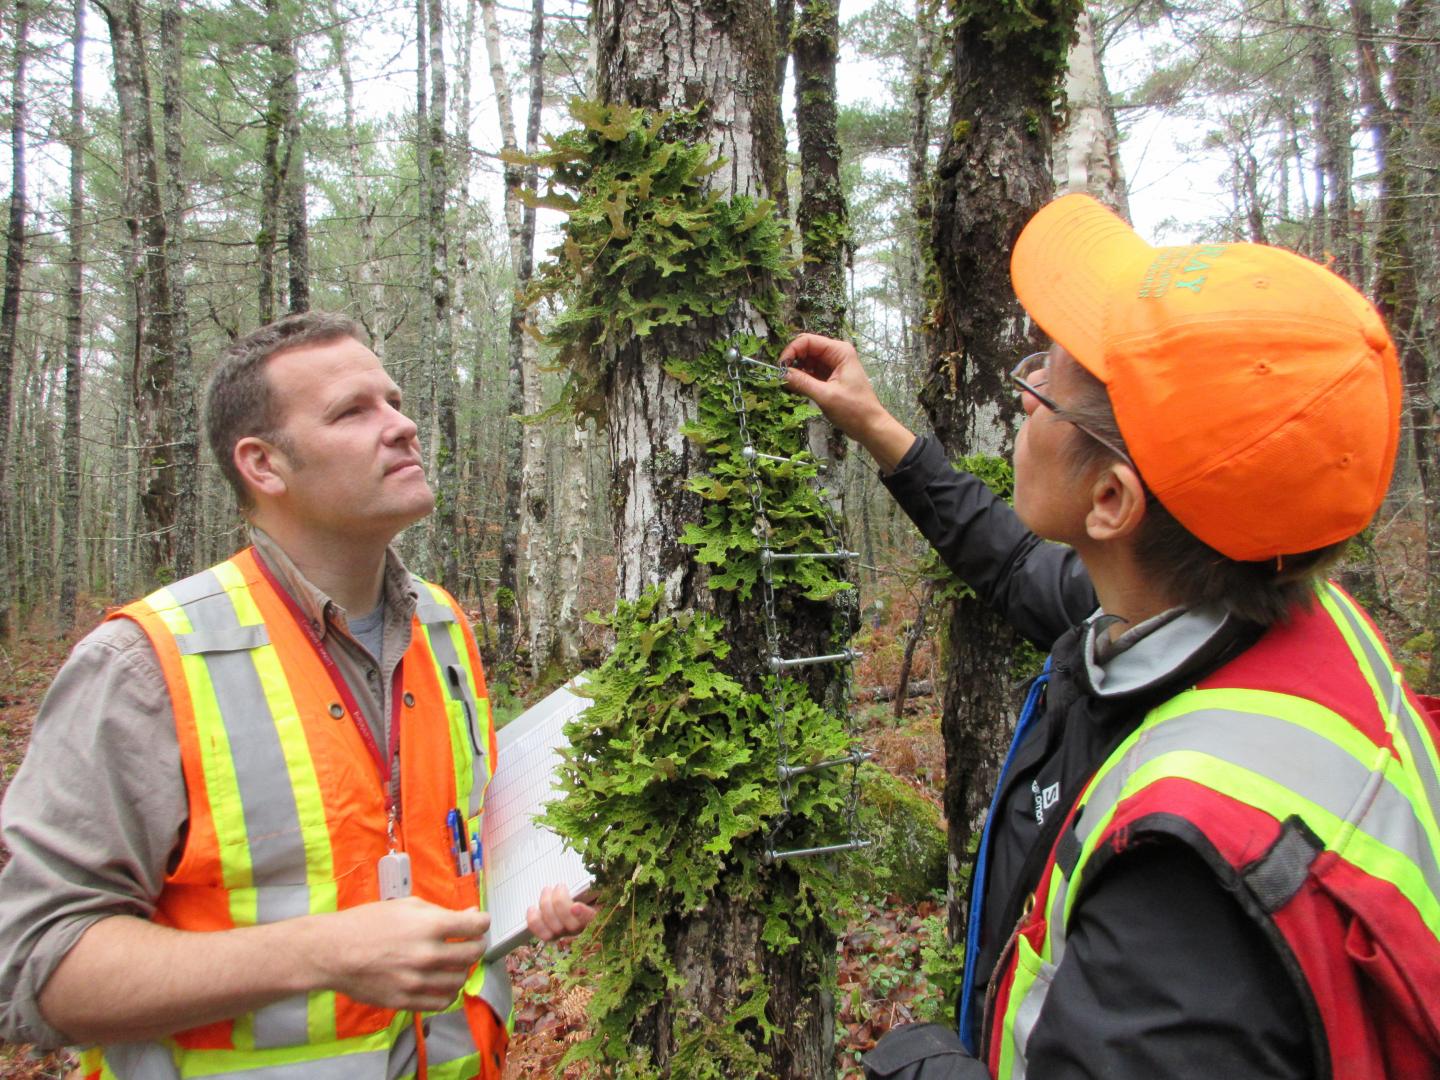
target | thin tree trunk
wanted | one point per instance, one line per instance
(446, 525)
(153, 384)
(272, 177)
(820, 212)
(519, 228)
(10, 302)
(1332, 132)
(187, 450)
(297, 225)
(74, 301)
(376, 317)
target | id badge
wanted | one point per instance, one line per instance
(394, 870)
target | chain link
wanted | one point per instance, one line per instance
(841, 699)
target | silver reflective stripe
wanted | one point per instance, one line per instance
(236, 639)
(448, 1038)
(1398, 703)
(495, 991)
(1026, 1016)
(428, 611)
(141, 1061)
(404, 1054)
(457, 685)
(1293, 756)
(367, 1065)
(272, 822)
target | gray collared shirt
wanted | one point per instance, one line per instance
(96, 814)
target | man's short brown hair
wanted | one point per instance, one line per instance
(239, 402)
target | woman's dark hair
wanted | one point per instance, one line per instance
(1191, 570)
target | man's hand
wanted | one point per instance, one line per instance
(398, 954)
(557, 915)
(828, 372)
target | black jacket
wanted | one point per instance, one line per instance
(1164, 975)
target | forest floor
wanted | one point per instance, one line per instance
(880, 982)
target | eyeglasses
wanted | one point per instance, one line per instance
(1040, 361)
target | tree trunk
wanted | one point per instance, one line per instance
(376, 317)
(1087, 154)
(10, 302)
(272, 178)
(187, 450)
(676, 55)
(537, 520)
(524, 461)
(74, 296)
(572, 515)
(297, 226)
(993, 175)
(1335, 239)
(445, 525)
(820, 213)
(153, 384)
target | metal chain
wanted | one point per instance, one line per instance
(842, 699)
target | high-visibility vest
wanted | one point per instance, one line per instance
(287, 817)
(1305, 773)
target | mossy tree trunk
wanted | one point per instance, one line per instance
(745, 1002)
(992, 176)
(820, 211)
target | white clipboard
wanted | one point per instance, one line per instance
(522, 856)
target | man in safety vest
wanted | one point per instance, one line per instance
(245, 838)
(1214, 848)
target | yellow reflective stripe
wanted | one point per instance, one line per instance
(1021, 988)
(222, 787)
(216, 1063)
(323, 893)
(1422, 759)
(1358, 847)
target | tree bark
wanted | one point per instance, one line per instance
(154, 373)
(272, 178)
(1087, 155)
(445, 525)
(1335, 237)
(820, 212)
(10, 300)
(375, 318)
(993, 175)
(524, 453)
(74, 300)
(297, 225)
(187, 450)
(675, 55)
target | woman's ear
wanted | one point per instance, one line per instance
(1117, 503)
(262, 465)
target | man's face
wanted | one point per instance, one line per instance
(353, 464)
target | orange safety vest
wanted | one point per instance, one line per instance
(288, 817)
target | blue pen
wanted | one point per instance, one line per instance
(458, 847)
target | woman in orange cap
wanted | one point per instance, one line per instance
(1214, 848)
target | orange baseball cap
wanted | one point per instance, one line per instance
(1258, 393)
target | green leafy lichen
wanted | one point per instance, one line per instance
(647, 244)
